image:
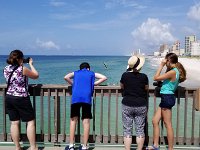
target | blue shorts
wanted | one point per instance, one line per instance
(167, 101)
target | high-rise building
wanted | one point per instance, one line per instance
(163, 48)
(175, 48)
(188, 42)
(182, 51)
(195, 48)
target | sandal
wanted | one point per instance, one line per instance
(152, 147)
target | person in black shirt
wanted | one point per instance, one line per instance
(134, 103)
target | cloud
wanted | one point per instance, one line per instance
(57, 3)
(124, 3)
(151, 34)
(73, 14)
(61, 16)
(47, 44)
(188, 30)
(194, 12)
(96, 26)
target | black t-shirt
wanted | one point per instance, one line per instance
(134, 93)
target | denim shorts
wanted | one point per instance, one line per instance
(167, 101)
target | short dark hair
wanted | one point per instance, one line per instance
(14, 57)
(84, 65)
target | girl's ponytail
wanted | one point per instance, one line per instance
(182, 72)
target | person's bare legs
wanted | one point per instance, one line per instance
(86, 131)
(167, 118)
(127, 142)
(31, 134)
(14, 129)
(73, 122)
(156, 128)
(140, 142)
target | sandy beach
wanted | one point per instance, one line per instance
(192, 66)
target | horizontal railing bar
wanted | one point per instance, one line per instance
(65, 86)
(104, 95)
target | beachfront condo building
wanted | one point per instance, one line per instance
(188, 43)
(182, 51)
(195, 48)
(175, 48)
(163, 48)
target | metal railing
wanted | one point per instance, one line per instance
(52, 109)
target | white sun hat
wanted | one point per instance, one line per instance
(136, 62)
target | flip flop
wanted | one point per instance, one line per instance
(152, 147)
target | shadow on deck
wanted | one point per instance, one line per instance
(94, 147)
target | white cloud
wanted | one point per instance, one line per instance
(57, 3)
(96, 26)
(124, 3)
(151, 34)
(61, 16)
(188, 30)
(194, 12)
(47, 44)
(71, 14)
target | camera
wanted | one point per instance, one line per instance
(158, 83)
(26, 60)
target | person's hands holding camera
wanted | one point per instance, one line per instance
(163, 62)
(30, 61)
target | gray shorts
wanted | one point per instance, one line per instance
(136, 114)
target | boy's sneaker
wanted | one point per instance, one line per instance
(69, 148)
(152, 147)
(83, 148)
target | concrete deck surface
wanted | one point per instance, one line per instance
(104, 147)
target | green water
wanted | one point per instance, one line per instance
(105, 117)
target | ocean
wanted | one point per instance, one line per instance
(52, 69)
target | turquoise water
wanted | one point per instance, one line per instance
(52, 69)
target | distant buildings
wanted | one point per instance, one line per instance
(188, 44)
(137, 52)
(192, 48)
(195, 48)
(175, 48)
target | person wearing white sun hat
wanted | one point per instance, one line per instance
(135, 62)
(134, 103)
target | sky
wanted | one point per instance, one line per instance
(95, 27)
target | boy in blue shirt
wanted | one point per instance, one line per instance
(82, 91)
